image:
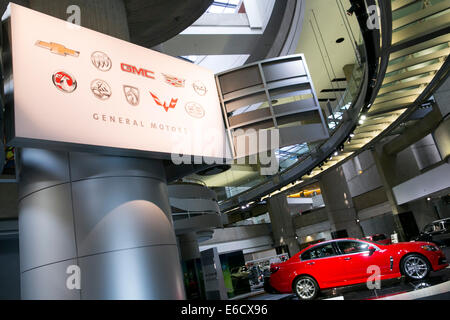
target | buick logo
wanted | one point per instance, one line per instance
(195, 110)
(64, 82)
(101, 61)
(101, 89)
(132, 95)
(200, 88)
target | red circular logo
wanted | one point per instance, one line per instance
(64, 82)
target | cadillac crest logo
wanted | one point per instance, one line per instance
(101, 61)
(200, 88)
(101, 89)
(132, 95)
(174, 81)
(172, 105)
(195, 110)
(64, 82)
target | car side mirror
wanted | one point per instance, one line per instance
(372, 250)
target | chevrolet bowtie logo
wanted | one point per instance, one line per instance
(57, 48)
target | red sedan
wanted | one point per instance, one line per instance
(346, 261)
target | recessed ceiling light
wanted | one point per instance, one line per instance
(340, 40)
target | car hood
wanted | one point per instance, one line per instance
(411, 244)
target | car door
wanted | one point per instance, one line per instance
(355, 259)
(321, 263)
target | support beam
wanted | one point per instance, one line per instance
(107, 216)
(414, 134)
(282, 224)
(339, 204)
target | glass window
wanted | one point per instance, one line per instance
(224, 6)
(348, 247)
(446, 224)
(321, 251)
(428, 228)
(438, 226)
(379, 237)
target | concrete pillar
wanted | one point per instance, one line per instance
(108, 215)
(425, 152)
(442, 97)
(338, 203)
(192, 268)
(424, 212)
(282, 225)
(442, 138)
(188, 245)
(442, 135)
(387, 171)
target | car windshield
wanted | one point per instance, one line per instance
(375, 242)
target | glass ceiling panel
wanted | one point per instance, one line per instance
(230, 6)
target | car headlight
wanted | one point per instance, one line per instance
(430, 248)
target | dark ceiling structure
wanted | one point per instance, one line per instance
(146, 26)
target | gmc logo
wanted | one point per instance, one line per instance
(140, 72)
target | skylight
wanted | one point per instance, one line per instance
(230, 6)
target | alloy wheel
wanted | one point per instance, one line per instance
(416, 267)
(306, 288)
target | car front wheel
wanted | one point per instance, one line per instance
(415, 267)
(306, 288)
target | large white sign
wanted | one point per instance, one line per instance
(74, 86)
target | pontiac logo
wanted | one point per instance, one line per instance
(132, 95)
(57, 48)
(200, 88)
(166, 107)
(195, 110)
(101, 89)
(101, 61)
(140, 72)
(64, 82)
(174, 81)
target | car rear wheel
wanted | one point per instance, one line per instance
(415, 267)
(306, 288)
